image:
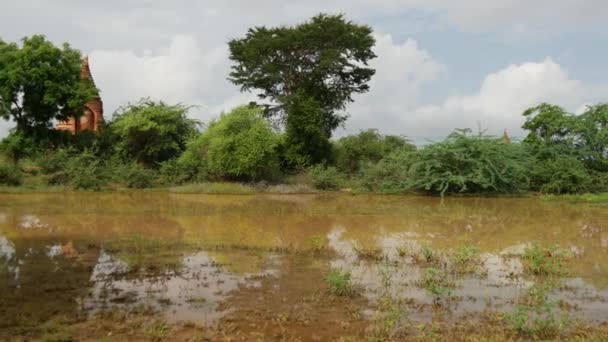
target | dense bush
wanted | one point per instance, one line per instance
(367, 147)
(10, 174)
(151, 132)
(466, 163)
(389, 175)
(306, 142)
(134, 175)
(326, 177)
(240, 145)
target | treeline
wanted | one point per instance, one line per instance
(304, 75)
(152, 144)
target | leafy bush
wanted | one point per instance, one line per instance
(135, 176)
(339, 283)
(464, 163)
(85, 171)
(326, 177)
(16, 146)
(368, 147)
(10, 174)
(390, 175)
(151, 132)
(561, 175)
(240, 145)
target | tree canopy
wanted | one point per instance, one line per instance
(324, 59)
(39, 83)
(152, 132)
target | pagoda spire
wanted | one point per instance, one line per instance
(85, 71)
(505, 137)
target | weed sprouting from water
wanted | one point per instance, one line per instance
(542, 261)
(389, 318)
(317, 243)
(435, 282)
(537, 316)
(156, 331)
(466, 258)
(339, 283)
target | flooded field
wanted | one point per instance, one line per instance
(301, 267)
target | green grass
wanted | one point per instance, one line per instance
(545, 261)
(339, 283)
(585, 198)
(466, 258)
(435, 283)
(215, 188)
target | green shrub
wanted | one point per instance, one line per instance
(390, 175)
(563, 175)
(10, 174)
(339, 283)
(326, 177)
(240, 145)
(151, 132)
(368, 147)
(466, 163)
(545, 261)
(135, 176)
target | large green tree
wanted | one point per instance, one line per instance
(324, 59)
(39, 83)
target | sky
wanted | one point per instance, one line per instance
(441, 64)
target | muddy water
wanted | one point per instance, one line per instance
(251, 259)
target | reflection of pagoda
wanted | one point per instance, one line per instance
(92, 118)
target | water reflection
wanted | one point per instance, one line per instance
(191, 293)
(52, 253)
(498, 285)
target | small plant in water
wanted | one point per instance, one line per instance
(544, 261)
(466, 258)
(389, 318)
(156, 331)
(339, 283)
(435, 282)
(317, 243)
(537, 317)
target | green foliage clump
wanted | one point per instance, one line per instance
(435, 282)
(319, 64)
(570, 151)
(10, 174)
(240, 145)
(339, 283)
(389, 175)
(537, 316)
(151, 132)
(16, 146)
(326, 177)
(39, 83)
(466, 258)
(306, 141)
(544, 261)
(134, 175)
(368, 147)
(466, 163)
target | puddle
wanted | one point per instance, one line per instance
(205, 259)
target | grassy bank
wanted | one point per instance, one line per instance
(584, 198)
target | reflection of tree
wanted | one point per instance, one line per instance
(44, 283)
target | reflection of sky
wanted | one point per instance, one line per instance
(499, 287)
(31, 221)
(7, 250)
(191, 293)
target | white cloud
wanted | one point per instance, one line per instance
(184, 72)
(401, 70)
(500, 101)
